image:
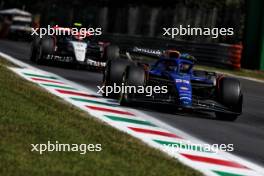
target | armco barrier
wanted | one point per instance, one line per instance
(216, 54)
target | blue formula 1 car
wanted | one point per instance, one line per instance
(186, 88)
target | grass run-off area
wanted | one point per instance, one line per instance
(30, 115)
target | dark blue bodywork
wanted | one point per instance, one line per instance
(188, 88)
(180, 72)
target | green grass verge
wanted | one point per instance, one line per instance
(30, 115)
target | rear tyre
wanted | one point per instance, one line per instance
(112, 52)
(134, 76)
(230, 95)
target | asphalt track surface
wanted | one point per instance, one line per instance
(246, 133)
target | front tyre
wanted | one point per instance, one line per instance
(230, 95)
(44, 47)
(39, 56)
(113, 73)
(33, 51)
(133, 76)
(124, 98)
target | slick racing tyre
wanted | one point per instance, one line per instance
(112, 52)
(39, 55)
(230, 95)
(46, 46)
(133, 76)
(113, 74)
(34, 47)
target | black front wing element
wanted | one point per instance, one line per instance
(197, 104)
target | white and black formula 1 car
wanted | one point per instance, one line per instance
(72, 49)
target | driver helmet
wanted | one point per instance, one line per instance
(172, 54)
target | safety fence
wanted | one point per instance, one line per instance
(216, 54)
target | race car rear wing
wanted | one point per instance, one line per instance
(159, 52)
